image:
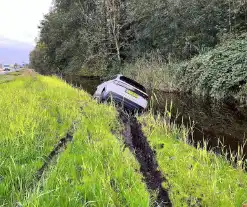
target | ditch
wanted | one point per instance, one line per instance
(223, 126)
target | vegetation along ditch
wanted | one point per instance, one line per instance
(223, 126)
(113, 160)
(168, 140)
(188, 149)
(92, 169)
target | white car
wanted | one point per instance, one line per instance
(125, 91)
(6, 67)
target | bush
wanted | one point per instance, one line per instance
(218, 73)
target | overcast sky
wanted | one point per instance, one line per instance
(19, 19)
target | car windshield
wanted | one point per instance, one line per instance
(133, 83)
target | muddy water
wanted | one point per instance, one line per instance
(213, 121)
(88, 84)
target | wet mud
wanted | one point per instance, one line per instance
(136, 141)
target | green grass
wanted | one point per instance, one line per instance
(195, 177)
(95, 169)
(6, 78)
(36, 112)
(10, 76)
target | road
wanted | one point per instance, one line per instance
(6, 72)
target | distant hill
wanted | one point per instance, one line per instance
(12, 51)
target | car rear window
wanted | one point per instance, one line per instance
(133, 83)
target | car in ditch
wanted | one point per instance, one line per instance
(123, 91)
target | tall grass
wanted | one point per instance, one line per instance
(95, 169)
(153, 73)
(34, 115)
(9, 76)
(196, 177)
(36, 112)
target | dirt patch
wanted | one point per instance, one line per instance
(138, 144)
(60, 147)
(28, 72)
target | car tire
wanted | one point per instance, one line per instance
(102, 96)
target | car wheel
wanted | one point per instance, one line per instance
(102, 96)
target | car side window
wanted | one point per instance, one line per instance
(133, 83)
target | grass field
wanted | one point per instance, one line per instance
(195, 177)
(10, 76)
(95, 168)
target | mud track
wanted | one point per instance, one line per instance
(139, 146)
(61, 146)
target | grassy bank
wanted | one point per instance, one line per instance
(36, 113)
(95, 168)
(195, 177)
(219, 73)
(10, 76)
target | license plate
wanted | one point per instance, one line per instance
(132, 93)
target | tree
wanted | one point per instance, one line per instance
(38, 59)
(88, 35)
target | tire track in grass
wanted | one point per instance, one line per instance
(60, 147)
(139, 146)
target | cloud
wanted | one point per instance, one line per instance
(19, 19)
(12, 51)
(5, 43)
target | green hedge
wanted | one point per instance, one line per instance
(219, 73)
